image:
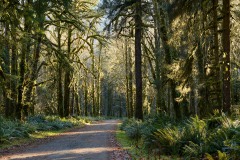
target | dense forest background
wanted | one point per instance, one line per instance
(119, 58)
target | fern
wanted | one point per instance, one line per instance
(220, 156)
(196, 130)
(169, 139)
(193, 150)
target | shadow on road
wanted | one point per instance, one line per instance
(89, 143)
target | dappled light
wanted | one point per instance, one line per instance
(89, 142)
(77, 153)
(89, 132)
(162, 74)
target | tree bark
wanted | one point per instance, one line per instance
(216, 55)
(127, 78)
(72, 106)
(168, 60)
(59, 77)
(25, 50)
(226, 57)
(33, 76)
(85, 97)
(28, 102)
(6, 69)
(93, 87)
(77, 104)
(59, 91)
(99, 85)
(138, 60)
(66, 102)
(109, 100)
(157, 51)
(14, 72)
(130, 75)
(67, 79)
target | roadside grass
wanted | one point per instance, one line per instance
(15, 133)
(125, 142)
(136, 151)
(32, 137)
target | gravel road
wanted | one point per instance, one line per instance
(89, 143)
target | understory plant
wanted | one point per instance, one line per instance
(217, 136)
(11, 130)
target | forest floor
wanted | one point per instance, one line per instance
(93, 142)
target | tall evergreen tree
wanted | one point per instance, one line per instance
(226, 56)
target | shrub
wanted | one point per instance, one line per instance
(218, 136)
(133, 130)
(147, 130)
(10, 130)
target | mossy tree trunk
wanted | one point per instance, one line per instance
(130, 85)
(59, 76)
(68, 75)
(26, 44)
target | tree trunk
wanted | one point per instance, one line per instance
(20, 84)
(226, 57)
(25, 50)
(86, 97)
(168, 59)
(200, 66)
(130, 76)
(59, 77)
(6, 69)
(157, 51)
(77, 104)
(109, 100)
(60, 92)
(72, 109)
(127, 78)
(67, 79)
(99, 85)
(138, 60)
(14, 72)
(33, 76)
(29, 96)
(216, 55)
(157, 81)
(120, 106)
(93, 87)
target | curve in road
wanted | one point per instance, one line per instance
(89, 143)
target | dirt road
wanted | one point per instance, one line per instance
(89, 143)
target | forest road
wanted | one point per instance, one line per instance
(92, 142)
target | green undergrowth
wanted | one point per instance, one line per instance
(135, 149)
(125, 142)
(216, 137)
(13, 132)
